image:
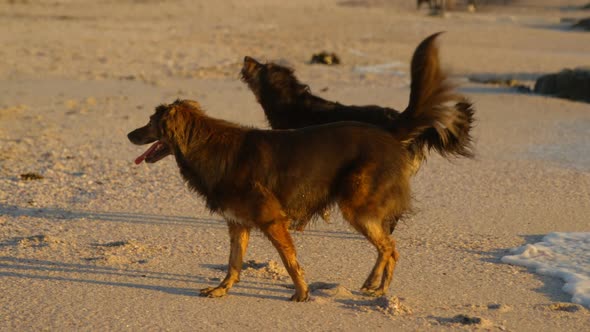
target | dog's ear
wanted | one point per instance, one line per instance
(159, 118)
(178, 121)
(191, 105)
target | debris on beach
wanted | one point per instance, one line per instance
(391, 306)
(475, 321)
(507, 82)
(325, 58)
(563, 306)
(114, 244)
(31, 176)
(466, 320)
(499, 307)
(439, 7)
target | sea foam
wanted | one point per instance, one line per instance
(562, 255)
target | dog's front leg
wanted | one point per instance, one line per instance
(239, 236)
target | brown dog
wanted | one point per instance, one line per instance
(287, 103)
(269, 179)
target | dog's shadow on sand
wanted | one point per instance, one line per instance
(122, 217)
(77, 273)
(72, 273)
(143, 218)
(552, 286)
(92, 274)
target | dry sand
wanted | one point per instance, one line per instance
(100, 244)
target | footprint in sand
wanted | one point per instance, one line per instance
(123, 253)
(390, 306)
(267, 270)
(39, 241)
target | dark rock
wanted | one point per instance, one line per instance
(467, 320)
(569, 83)
(583, 24)
(325, 58)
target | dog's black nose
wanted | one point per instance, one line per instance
(132, 137)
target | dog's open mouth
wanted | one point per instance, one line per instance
(249, 69)
(157, 151)
(245, 75)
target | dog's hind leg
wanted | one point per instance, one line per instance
(278, 234)
(239, 236)
(388, 272)
(389, 267)
(365, 206)
(385, 264)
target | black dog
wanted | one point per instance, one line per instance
(287, 103)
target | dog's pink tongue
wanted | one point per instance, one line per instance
(151, 149)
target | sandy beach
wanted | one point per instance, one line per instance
(91, 242)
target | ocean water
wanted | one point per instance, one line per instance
(562, 255)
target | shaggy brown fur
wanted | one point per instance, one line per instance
(287, 103)
(268, 179)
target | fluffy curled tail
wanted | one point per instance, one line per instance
(437, 117)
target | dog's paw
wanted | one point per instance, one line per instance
(214, 291)
(300, 297)
(371, 285)
(372, 292)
